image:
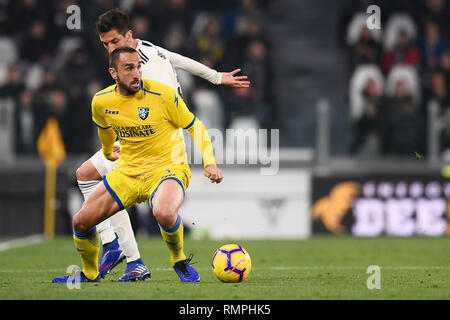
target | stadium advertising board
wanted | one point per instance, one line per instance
(370, 206)
(249, 205)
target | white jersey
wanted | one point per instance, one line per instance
(159, 64)
(156, 65)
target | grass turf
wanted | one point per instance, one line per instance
(317, 268)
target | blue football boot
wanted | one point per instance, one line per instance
(136, 270)
(185, 271)
(77, 277)
(110, 258)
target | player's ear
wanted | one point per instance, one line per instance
(113, 73)
(129, 36)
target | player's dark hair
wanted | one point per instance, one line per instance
(113, 19)
(114, 56)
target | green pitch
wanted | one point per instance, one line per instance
(316, 268)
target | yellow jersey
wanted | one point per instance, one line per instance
(147, 125)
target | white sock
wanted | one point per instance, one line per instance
(121, 224)
(104, 228)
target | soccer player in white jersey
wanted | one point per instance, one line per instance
(116, 233)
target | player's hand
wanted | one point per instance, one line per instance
(213, 173)
(116, 149)
(230, 80)
(116, 153)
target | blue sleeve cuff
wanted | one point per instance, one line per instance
(190, 124)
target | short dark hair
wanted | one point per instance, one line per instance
(113, 19)
(114, 56)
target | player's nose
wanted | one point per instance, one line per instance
(136, 74)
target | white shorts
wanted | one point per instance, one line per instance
(102, 164)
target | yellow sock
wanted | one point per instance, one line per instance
(174, 240)
(88, 246)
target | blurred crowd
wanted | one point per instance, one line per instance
(48, 70)
(394, 73)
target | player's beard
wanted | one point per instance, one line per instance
(128, 88)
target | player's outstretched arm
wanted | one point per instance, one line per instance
(178, 113)
(203, 143)
(196, 68)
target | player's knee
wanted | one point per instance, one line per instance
(165, 215)
(80, 225)
(87, 172)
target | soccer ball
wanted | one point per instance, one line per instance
(231, 263)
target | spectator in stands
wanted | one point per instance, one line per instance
(366, 50)
(48, 85)
(49, 81)
(75, 86)
(409, 78)
(141, 27)
(432, 45)
(59, 106)
(80, 70)
(252, 103)
(13, 86)
(25, 137)
(37, 42)
(435, 10)
(210, 43)
(400, 96)
(247, 12)
(437, 91)
(176, 12)
(404, 52)
(253, 31)
(23, 12)
(257, 66)
(152, 14)
(445, 67)
(358, 83)
(368, 129)
(13, 91)
(175, 40)
(6, 26)
(404, 132)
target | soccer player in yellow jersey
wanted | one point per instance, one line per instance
(116, 233)
(146, 116)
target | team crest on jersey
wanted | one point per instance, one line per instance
(143, 113)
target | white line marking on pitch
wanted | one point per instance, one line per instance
(21, 242)
(358, 268)
(270, 268)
